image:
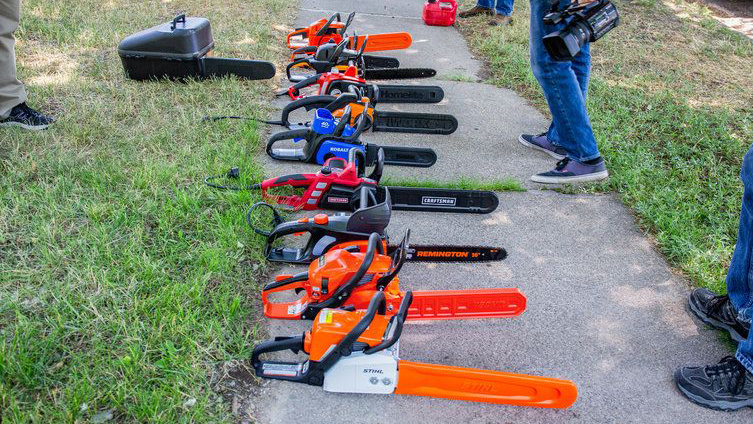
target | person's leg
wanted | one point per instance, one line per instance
(582, 68)
(502, 13)
(504, 7)
(729, 384)
(740, 274)
(562, 90)
(482, 7)
(12, 91)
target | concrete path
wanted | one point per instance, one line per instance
(604, 309)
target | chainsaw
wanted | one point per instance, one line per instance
(358, 352)
(327, 138)
(335, 82)
(331, 55)
(402, 122)
(338, 184)
(333, 29)
(346, 231)
(347, 278)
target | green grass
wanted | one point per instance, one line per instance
(124, 282)
(505, 184)
(670, 104)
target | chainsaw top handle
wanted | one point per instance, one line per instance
(323, 30)
(309, 103)
(343, 292)
(395, 327)
(347, 22)
(295, 90)
(398, 259)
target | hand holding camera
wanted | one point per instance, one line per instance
(587, 21)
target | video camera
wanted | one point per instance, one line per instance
(585, 23)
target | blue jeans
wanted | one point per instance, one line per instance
(503, 7)
(565, 87)
(740, 274)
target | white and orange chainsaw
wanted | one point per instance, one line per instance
(357, 352)
(348, 277)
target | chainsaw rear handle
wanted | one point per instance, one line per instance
(294, 64)
(395, 327)
(294, 344)
(297, 154)
(285, 284)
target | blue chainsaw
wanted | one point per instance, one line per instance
(330, 137)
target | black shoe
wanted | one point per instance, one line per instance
(726, 386)
(717, 311)
(26, 117)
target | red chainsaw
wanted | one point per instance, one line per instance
(347, 278)
(358, 352)
(337, 186)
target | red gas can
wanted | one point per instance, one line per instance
(440, 12)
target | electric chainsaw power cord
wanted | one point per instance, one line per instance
(233, 173)
(276, 218)
(245, 118)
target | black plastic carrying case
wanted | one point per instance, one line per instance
(177, 50)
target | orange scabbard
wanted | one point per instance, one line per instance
(386, 41)
(476, 385)
(466, 304)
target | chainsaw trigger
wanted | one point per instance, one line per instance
(300, 233)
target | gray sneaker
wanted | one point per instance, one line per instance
(571, 171)
(540, 142)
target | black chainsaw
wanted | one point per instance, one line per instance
(377, 120)
(352, 231)
(336, 82)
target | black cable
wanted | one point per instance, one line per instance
(218, 118)
(233, 173)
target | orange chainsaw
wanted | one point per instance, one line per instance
(333, 29)
(337, 55)
(357, 352)
(347, 278)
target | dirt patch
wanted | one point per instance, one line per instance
(735, 14)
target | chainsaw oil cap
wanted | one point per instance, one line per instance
(321, 219)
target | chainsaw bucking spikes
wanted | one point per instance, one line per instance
(358, 352)
(333, 29)
(347, 278)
